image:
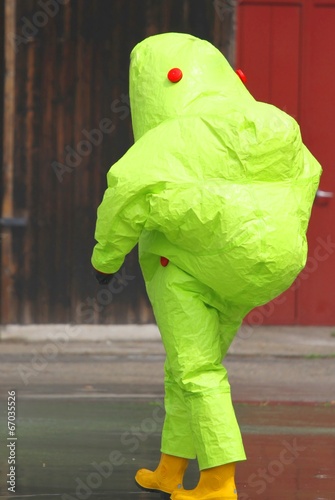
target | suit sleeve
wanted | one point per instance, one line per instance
(125, 208)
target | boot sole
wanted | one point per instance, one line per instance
(163, 494)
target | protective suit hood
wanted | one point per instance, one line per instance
(218, 183)
(207, 77)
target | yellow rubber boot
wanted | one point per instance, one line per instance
(217, 483)
(166, 478)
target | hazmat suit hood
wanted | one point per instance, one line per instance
(208, 80)
(218, 183)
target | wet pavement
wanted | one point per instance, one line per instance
(92, 447)
(89, 416)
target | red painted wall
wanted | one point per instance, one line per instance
(287, 51)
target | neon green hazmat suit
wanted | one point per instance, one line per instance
(222, 186)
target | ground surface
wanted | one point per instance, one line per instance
(89, 414)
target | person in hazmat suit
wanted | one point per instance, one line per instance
(217, 191)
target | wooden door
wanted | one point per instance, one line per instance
(66, 120)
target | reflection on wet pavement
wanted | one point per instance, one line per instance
(91, 448)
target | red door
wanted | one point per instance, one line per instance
(287, 51)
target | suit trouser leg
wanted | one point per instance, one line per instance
(177, 436)
(200, 419)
